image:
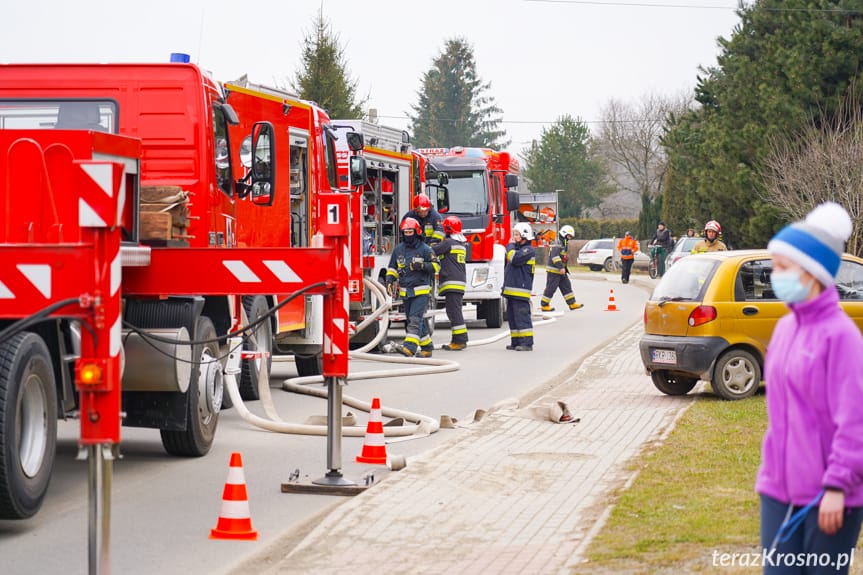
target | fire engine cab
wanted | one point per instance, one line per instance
(479, 186)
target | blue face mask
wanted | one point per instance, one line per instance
(788, 287)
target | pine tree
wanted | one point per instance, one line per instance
(323, 77)
(454, 108)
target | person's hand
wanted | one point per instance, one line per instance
(830, 511)
(564, 258)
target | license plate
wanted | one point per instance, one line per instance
(665, 356)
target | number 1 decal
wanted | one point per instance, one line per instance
(333, 214)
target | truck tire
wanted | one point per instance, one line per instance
(256, 308)
(309, 365)
(203, 400)
(494, 312)
(27, 446)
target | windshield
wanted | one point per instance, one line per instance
(685, 280)
(467, 193)
(96, 115)
(685, 245)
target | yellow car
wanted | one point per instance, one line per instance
(711, 317)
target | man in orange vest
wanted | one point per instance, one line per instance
(627, 246)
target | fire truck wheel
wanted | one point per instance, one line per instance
(256, 308)
(494, 312)
(203, 400)
(28, 424)
(308, 365)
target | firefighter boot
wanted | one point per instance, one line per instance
(575, 305)
(425, 352)
(454, 346)
(547, 307)
(403, 350)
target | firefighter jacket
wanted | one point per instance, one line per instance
(518, 274)
(627, 246)
(452, 255)
(414, 280)
(431, 225)
(557, 259)
(706, 246)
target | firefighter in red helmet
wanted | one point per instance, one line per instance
(414, 267)
(452, 255)
(711, 241)
(430, 221)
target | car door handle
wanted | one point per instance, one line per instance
(750, 310)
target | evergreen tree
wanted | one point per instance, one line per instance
(323, 77)
(562, 160)
(454, 108)
(787, 61)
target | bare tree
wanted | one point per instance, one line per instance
(630, 141)
(822, 164)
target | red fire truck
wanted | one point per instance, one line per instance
(185, 279)
(395, 173)
(479, 186)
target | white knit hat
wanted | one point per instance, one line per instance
(816, 244)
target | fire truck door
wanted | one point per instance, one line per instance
(300, 203)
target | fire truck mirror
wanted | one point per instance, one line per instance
(357, 171)
(512, 199)
(442, 178)
(511, 181)
(441, 196)
(355, 141)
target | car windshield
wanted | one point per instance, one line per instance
(598, 245)
(685, 280)
(685, 245)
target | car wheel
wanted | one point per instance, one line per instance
(671, 383)
(737, 375)
(608, 265)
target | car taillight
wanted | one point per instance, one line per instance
(701, 315)
(645, 314)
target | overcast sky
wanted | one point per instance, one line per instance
(543, 58)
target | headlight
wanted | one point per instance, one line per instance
(480, 276)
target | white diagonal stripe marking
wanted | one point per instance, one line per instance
(87, 217)
(39, 275)
(241, 271)
(281, 270)
(5, 293)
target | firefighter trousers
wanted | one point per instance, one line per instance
(552, 283)
(520, 322)
(454, 303)
(417, 332)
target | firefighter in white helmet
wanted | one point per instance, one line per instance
(711, 241)
(557, 272)
(517, 286)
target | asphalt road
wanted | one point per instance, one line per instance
(163, 508)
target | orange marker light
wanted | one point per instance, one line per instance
(90, 374)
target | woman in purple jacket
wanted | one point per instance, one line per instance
(811, 475)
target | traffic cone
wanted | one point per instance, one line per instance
(234, 520)
(611, 305)
(374, 447)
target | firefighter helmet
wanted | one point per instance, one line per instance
(410, 224)
(713, 225)
(422, 201)
(524, 230)
(567, 232)
(451, 225)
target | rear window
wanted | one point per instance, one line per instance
(598, 245)
(686, 244)
(686, 280)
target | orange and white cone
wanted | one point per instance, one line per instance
(234, 519)
(611, 305)
(374, 447)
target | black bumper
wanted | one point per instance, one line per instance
(695, 355)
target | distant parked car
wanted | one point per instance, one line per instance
(598, 255)
(681, 249)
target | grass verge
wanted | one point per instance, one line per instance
(693, 495)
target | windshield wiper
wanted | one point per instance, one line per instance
(664, 300)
